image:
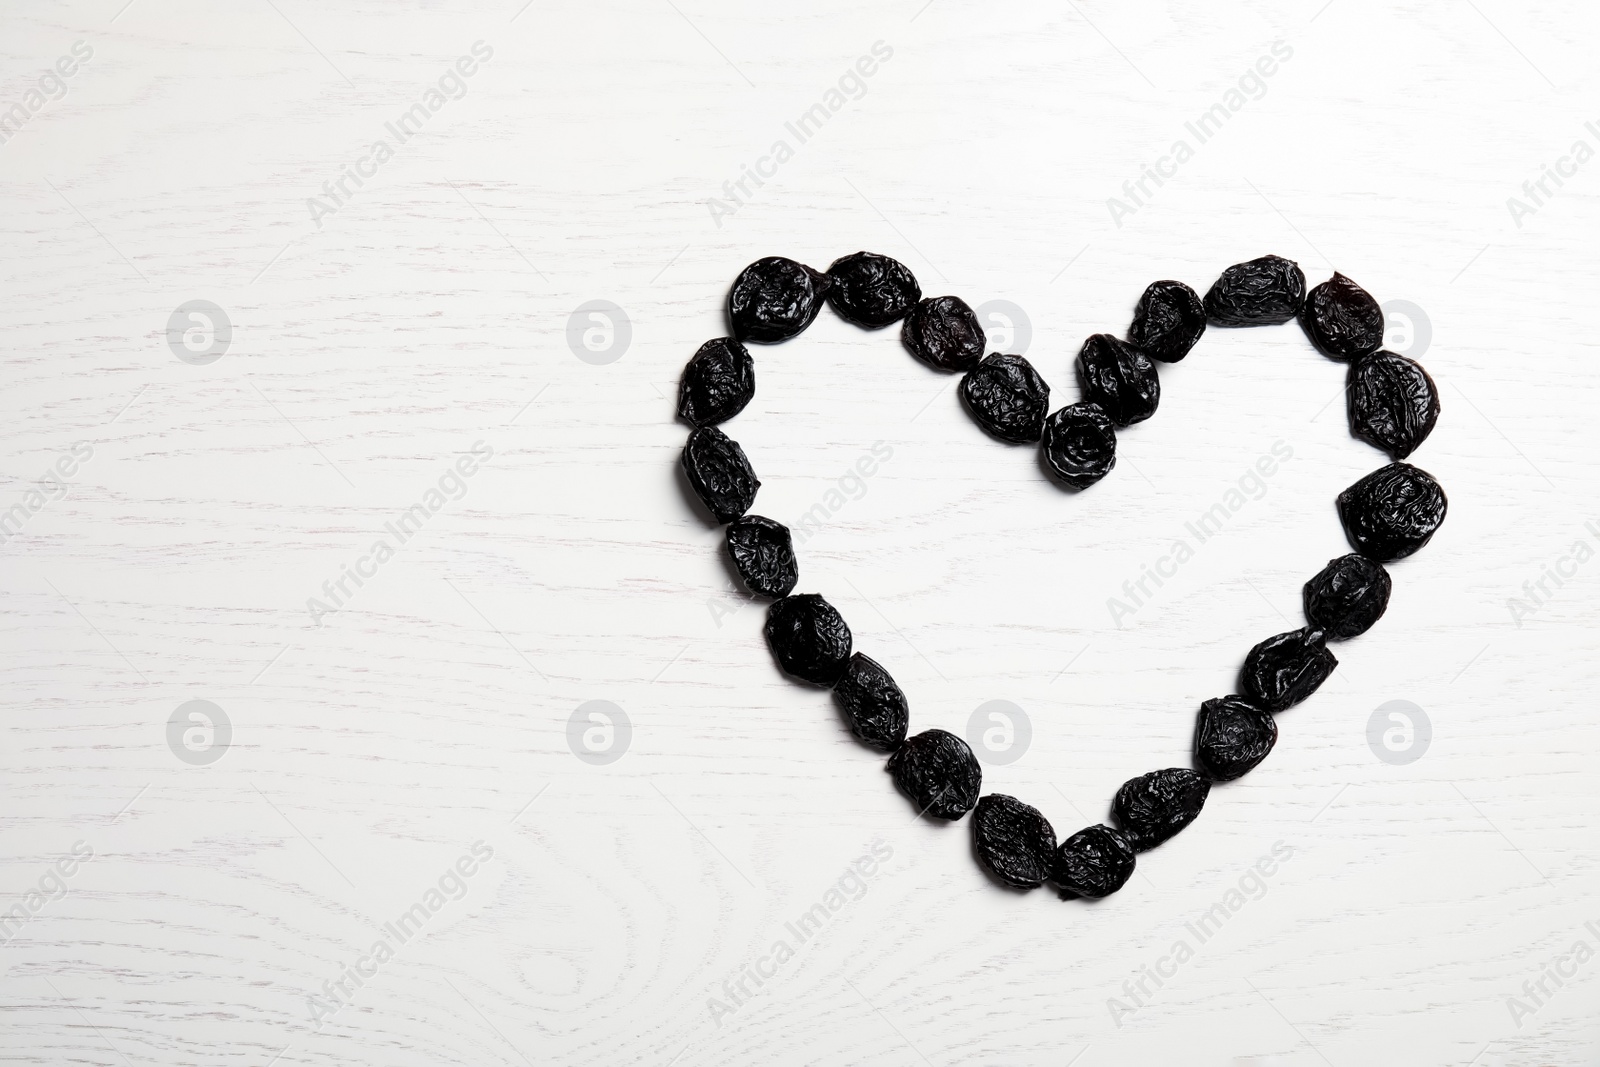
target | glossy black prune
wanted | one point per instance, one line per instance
(1232, 736)
(809, 638)
(1094, 862)
(717, 383)
(773, 299)
(943, 332)
(719, 473)
(938, 772)
(1393, 403)
(1080, 444)
(1007, 397)
(1167, 322)
(1014, 840)
(1392, 512)
(1118, 379)
(1286, 668)
(1347, 596)
(1262, 292)
(763, 554)
(1156, 806)
(872, 291)
(1342, 319)
(873, 704)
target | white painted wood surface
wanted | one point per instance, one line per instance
(430, 312)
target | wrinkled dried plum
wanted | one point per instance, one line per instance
(763, 553)
(1119, 379)
(943, 332)
(1284, 669)
(938, 772)
(872, 290)
(1154, 807)
(1014, 840)
(809, 638)
(1232, 736)
(1262, 292)
(717, 383)
(1392, 512)
(873, 703)
(719, 473)
(1393, 403)
(1080, 444)
(1094, 862)
(1342, 319)
(773, 299)
(1167, 322)
(1347, 596)
(1007, 397)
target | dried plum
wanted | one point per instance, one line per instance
(1119, 379)
(943, 332)
(1262, 292)
(1167, 322)
(1392, 512)
(1094, 862)
(938, 772)
(1014, 840)
(1284, 669)
(1393, 403)
(763, 553)
(1347, 596)
(717, 383)
(1232, 737)
(872, 291)
(1007, 397)
(809, 638)
(1156, 806)
(873, 703)
(773, 299)
(719, 473)
(1342, 319)
(1080, 444)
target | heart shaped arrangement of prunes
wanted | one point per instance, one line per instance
(1387, 515)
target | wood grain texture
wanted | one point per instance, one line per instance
(376, 346)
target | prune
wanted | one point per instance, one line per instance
(873, 703)
(1262, 292)
(1119, 379)
(763, 553)
(1392, 512)
(1284, 669)
(719, 473)
(809, 638)
(717, 383)
(943, 332)
(1167, 322)
(1007, 397)
(1393, 403)
(1232, 736)
(1342, 319)
(1094, 862)
(872, 290)
(1014, 840)
(1347, 596)
(1154, 807)
(1080, 444)
(773, 299)
(938, 772)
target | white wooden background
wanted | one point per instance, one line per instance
(430, 312)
